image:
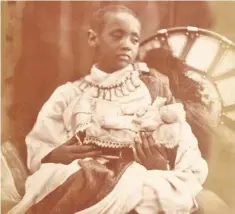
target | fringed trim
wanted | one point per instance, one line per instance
(82, 127)
(105, 144)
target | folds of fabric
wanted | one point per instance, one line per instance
(88, 187)
(147, 191)
(83, 189)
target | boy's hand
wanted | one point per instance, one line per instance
(70, 151)
(149, 154)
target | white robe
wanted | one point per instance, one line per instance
(147, 191)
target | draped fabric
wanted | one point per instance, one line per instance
(176, 189)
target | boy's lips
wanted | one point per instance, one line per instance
(124, 57)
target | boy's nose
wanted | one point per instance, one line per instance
(126, 44)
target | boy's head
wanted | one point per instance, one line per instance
(115, 33)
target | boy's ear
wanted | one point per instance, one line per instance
(92, 38)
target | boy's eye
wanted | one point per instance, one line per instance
(135, 40)
(117, 35)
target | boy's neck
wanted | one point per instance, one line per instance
(107, 69)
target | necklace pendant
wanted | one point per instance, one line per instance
(107, 95)
(101, 93)
(129, 85)
(112, 94)
(104, 94)
(135, 80)
(124, 90)
(118, 91)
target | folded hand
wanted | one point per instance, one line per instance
(70, 151)
(149, 154)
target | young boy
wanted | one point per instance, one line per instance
(117, 87)
(114, 108)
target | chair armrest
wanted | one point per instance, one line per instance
(14, 166)
(211, 203)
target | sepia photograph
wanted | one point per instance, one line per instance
(118, 107)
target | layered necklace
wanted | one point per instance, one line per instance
(127, 85)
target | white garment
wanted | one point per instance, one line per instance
(115, 120)
(108, 122)
(147, 191)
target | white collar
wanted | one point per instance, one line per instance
(100, 77)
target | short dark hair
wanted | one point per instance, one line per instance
(98, 17)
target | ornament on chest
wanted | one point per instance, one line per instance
(118, 115)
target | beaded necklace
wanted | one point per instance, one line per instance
(122, 88)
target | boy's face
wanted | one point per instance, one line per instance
(118, 42)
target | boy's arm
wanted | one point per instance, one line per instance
(188, 142)
(49, 130)
(175, 191)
